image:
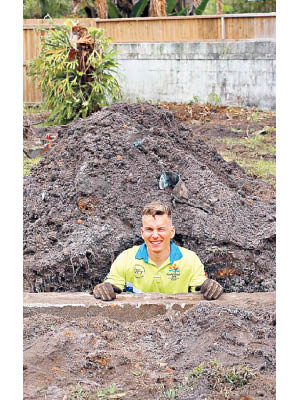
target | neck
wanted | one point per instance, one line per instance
(161, 257)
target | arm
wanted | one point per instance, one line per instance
(114, 282)
(210, 288)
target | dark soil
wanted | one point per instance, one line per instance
(231, 131)
(82, 206)
(152, 359)
(212, 122)
(82, 202)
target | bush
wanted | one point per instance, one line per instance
(76, 71)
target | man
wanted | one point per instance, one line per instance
(158, 265)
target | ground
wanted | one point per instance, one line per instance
(246, 135)
(223, 349)
(212, 351)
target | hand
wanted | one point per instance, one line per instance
(210, 289)
(106, 291)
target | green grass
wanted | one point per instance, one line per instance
(224, 380)
(258, 144)
(82, 392)
(28, 163)
(253, 153)
(35, 108)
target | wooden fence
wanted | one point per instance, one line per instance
(166, 29)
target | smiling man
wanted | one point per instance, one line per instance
(158, 265)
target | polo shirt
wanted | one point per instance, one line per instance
(134, 271)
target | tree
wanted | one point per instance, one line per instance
(157, 8)
(76, 71)
(242, 6)
(41, 8)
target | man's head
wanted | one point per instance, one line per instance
(157, 229)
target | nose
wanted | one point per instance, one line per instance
(155, 233)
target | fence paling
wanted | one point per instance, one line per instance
(165, 29)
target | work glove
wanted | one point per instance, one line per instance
(106, 291)
(210, 289)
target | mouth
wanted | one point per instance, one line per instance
(156, 242)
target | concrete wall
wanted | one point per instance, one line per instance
(240, 73)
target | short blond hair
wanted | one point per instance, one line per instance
(157, 208)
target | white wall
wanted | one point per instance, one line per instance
(241, 73)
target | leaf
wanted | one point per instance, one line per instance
(113, 11)
(68, 92)
(171, 5)
(137, 373)
(200, 9)
(183, 11)
(138, 8)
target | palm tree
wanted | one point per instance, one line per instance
(157, 8)
(102, 8)
(138, 8)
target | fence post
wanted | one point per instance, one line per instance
(223, 28)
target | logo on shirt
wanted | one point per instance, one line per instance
(174, 272)
(139, 271)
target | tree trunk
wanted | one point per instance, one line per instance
(219, 7)
(158, 8)
(102, 8)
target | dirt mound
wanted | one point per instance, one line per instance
(192, 354)
(82, 202)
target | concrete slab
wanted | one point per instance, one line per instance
(131, 307)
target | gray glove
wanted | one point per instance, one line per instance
(106, 291)
(210, 289)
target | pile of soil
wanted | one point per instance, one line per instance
(82, 202)
(72, 359)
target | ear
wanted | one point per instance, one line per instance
(142, 233)
(173, 232)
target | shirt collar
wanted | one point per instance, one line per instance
(175, 253)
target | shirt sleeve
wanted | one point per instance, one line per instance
(116, 274)
(198, 275)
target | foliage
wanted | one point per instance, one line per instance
(34, 108)
(76, 71)
(194, 100)
(113, 11)
(41, 8)
(175, 8)
(200, 9)
(28, 163)
(257, 151)
(196, 372)
(80, 392)
(223, 380)
(213, 99)
(171, 4)
(81, 8)
(62, 8)
(181, 10)
(241, 6)
(138, 8)
(226, 380)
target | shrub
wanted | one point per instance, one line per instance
(76, 71)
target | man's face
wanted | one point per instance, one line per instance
(157, 232)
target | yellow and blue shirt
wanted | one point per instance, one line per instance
(134, 271)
